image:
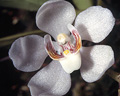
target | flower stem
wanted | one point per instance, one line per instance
(116, 77)
(118, 92)
(9, 39)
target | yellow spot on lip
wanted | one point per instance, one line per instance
(66, 52)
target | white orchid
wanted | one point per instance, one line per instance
(56, 17)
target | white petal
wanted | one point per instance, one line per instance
(95, 23)
(28, 53)
(52, 80)
(95, 61)
(53, 17)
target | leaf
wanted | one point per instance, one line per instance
(78, 11)
(83, 4)
(30, 5)
(37, 2)
(9, 39)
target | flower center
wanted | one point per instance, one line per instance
(65, 43)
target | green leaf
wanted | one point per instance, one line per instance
(37, 2)
(9, 39)
(83, 4)
(30, 5)
(78, 11)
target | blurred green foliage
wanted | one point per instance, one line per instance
(30, 5)
(83, 4)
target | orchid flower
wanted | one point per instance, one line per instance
(56, 18)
